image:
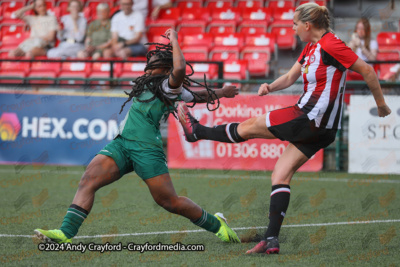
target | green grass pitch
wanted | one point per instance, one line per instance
(318, 228)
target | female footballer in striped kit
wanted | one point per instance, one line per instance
(309, 125)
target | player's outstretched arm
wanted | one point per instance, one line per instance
(178, 74)
(372, 81)
(228, 91)
(282, 82)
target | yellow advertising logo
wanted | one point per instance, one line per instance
(9, 126)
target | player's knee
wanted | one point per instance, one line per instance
(89, 181)
(245, 129)
(281, 176)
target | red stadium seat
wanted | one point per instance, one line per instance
(283, 16)
(57, 12)
(42, 77)
(319, 2)
(173, 13)
(224, 53)
(15, 65)
(92, 4)
(159, 27)
(252, 27)
(195, 53)
(210, 70)
(285, 37)
(386, 69)
(280, 3)
(221, 27)
(236, 69)
(102, 70)
(192, 27)
(10, 42)
(249, 4)
(234, 39)
(8, 8)
(189, 3)
(255, 20)
(74, 70)
(215, 4)
(232, 14)
(44, 69)
(258, 59)
(388, 40)
(131, 70)
(11, 29)
(195, 40)
(261, 41)
(13, 73)
(257, 14)
(196, 14)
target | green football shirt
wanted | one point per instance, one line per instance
(142, 122)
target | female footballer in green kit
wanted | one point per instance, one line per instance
(138, 146)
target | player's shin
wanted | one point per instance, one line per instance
(226, 133)
(73, 220)
(280, 197)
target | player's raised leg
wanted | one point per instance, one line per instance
(101, 171)
(227, 133)
(163, 192)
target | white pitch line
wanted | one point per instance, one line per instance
(238, 177)
(237, 228)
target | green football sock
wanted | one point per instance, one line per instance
(208, 221)
(73, 220)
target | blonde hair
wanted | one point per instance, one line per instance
(315, 14)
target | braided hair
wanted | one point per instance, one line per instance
(153, 83)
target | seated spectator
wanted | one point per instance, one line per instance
(72, 34)
(128, 32)
(98, 35)
(43, 31)
(362, 45)
(157, 6)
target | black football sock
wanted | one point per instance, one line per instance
(226, 133)
(279, 203)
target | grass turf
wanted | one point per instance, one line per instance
(37, 197)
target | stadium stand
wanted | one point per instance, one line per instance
(253, 32)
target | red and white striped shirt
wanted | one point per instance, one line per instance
(323, 70)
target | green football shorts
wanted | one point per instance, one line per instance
(147, 160)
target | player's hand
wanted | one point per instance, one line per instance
(230, 91)
(384, 110)
(171, 35)
(264, 89)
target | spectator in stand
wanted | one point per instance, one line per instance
(128, 32)
(72, 33)
(157, 6)
(98, 35)
(362, 45)
(43, 31)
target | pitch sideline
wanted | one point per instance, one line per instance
(237, 228)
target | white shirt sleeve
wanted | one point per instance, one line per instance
(373, 45)
(114, 22)
(173, 93)
(139, 23)
(186, 96)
